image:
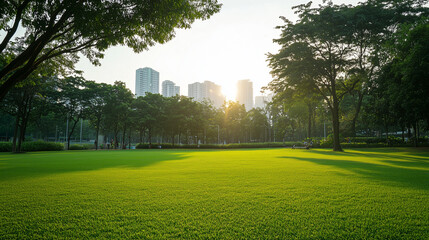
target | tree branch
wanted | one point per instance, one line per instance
(15, 25)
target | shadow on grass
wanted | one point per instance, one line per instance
(419, 154)
(14, 166)
(416, 177)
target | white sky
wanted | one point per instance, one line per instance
(229, 46)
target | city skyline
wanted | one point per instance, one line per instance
(147, 80)
(231, 45)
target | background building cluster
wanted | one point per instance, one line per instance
(147, 80)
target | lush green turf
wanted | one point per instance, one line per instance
(276, 193)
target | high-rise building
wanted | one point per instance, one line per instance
(169, 89)
(147, 80)
(206, 91)
(245, 93)
(195, 91)
(262, 101)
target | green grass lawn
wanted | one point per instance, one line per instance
(264, 193)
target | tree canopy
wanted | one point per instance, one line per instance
(59, 30)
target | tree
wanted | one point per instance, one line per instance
(233, 120)
(25, 99)
(66, 28)
(403, 84)
(370, 25)
(69, 100)
(314, 56)
(20, 104)
(258, 124)
(98, 94)
(151, 112)
(117, 110)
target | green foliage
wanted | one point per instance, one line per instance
(61, 30)
(5, 147)
(215, 194)
(33, 146)
(82, 147)
(335, 50)
(42, 146)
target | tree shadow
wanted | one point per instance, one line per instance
(420, 156)
(46, 163)
(416, 177)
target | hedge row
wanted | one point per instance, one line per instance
(82, 147)
(219, 146)
(271, 145)
(33, 146)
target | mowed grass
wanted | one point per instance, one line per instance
(228, 194)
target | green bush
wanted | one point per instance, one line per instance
(33, 146)
(41, 146)
(82, 146)
(5, 147)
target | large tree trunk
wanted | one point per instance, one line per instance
(336, 125)
(70, 134)
(22, 133)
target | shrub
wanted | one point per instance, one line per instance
(33, 146)
(5, 147)
(41, 146)
(82, 146)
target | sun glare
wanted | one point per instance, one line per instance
(229, 91)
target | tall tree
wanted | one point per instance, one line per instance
(117, 110)
(69, 100)
(370, 24)
(98, 94)
(315, 56)
(54, 28)
(151, 108)
(233, 120)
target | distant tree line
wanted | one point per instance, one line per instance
(54, 107)
(364, 68)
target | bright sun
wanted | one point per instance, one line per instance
(229, 91)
